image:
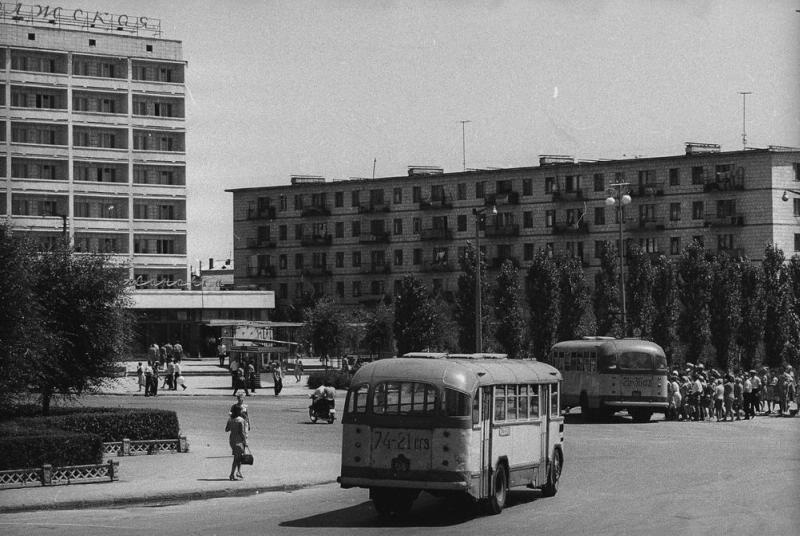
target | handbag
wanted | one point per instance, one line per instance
(247, 457)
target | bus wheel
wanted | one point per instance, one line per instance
(497, 501)
(553, 475)
(640, 415)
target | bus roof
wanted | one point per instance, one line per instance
(609, 346)
(460, 374)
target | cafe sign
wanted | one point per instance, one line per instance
(41, 14)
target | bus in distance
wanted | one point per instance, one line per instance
(603, 375)
(468, 424)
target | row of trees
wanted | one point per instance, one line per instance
(64, 322)
(708, 307)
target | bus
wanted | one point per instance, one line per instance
(603, 375)
(473, 425)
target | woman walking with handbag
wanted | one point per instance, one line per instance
(238, 441)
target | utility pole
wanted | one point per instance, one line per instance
(464, 141)
(744, 95)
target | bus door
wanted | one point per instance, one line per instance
(544, 434)
(486, 440)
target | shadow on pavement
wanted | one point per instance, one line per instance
(427, 511)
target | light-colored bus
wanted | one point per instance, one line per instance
(474, 425)
(603, 375)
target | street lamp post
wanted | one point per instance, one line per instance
(786, 192)
(618, 199)
(479, 214)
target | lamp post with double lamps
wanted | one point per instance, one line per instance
(619, 199)
(480, 214)
(786, 192)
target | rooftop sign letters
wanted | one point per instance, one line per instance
(40, 14)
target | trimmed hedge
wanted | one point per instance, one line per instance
(54, 447)
(339, 379)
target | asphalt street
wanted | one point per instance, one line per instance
(619, 478)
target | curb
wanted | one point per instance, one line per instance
(185, 394)
(160, 499)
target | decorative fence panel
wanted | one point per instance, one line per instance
(126, 447)
(48, 475)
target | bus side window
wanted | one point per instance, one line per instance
(511, 402)
(522, 402)
(533, 406)
(554, 400)
(476, 408)
(456, 403)
(593, 362)
(357, 399)
(500, 403)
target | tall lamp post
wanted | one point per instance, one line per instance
(480, 214)
(619, 199)
(786, 192)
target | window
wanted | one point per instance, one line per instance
(527, 219)
(283, 262)
(480, 189)
(340, 289)
(404, 398)
(649, 245)
(416, 194)
(549, 184)
(572, 183)
(527, 186)
(398, 257)
(338, 229)
(697, 210)
(397, 196)
(417, 258)
(500, 403)
(416, 225)
(282, 232)
(599, 215)
(148, 48)
(599, 182)
(724, 242)
(527, 252)
(647, 213)
(554, 409)
(599, 247)
(674, 211)
(511, 402)
(283, 291)
(549, 218)
(698, 175)
(356, 289)
(674, 177)
(796, 202)
(797, 242)
(356, 228)
(376, 197)
(340, 259)
(298, 231)
(283, 203)
(338, 199)
(397, 226)
(675, 245)
(456, 404)
(298, 290)
(355, 198)
(356, 259)
(461, 222)
(298, 261)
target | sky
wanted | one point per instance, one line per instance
(331, 88)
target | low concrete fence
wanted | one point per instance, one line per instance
(126, 447)
(47, 475)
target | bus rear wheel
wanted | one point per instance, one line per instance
(640, 415)
(497, 500)
(553, 475)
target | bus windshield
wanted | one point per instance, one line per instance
(632, 361)
(404, 398)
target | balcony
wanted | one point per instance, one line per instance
(317, 271)
(260, 271)
(502, 230)
(315, 211)
(731, 220)
(560, 195)
(725, 182)
(645, 224)
(317, 240)
(651, 188)
(438, 266)
(509, 197)
(376, 269)
(374, 238)
(735, 253)
(254, 243)
(497, 262)
(436, 234)
(372, 208)
(436, 202)
(264, 213)
(580, 227)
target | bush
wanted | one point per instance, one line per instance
(339, 379)
(54, 447)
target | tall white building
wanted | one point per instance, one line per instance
(93, 136)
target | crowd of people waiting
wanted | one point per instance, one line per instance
(704, 394)
(162, 362)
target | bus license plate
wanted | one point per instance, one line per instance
(400, 440)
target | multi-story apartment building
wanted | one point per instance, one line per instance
(92, 136)
(356, 239)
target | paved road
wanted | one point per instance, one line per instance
(620, 478)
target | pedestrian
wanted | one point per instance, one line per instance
(719, 399)
(239, 381)
(277, 378)
(233, 366)
(748, 396)
(140, 376)
(168, 352)
(755, 380)
(251, 376)
(697, 395)
(148, 379)
(686, 391)
(153, 352)
(729, 398)
(242, 410)
(169, 375)
(673, 397)
(177, 351)
(222, 352)
(237, 440)
(178, 378)
(738, 397)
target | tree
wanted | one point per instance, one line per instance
(694, 293)
(378, 335)
(76, 325)
(465, 301)
(777, 305)
(640, 281)
(666, 306)
(416, 320)
(607, 304)
(751, 330)
(725, 308)
(510, 331)
(325, 328)
(543, 301)
(573, 299)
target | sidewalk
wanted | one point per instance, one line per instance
(187, 476)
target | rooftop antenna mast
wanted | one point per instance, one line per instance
(374, 162)
(744, 95)
(464, 142)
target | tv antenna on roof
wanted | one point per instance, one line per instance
(744, 95)
(464, 142)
